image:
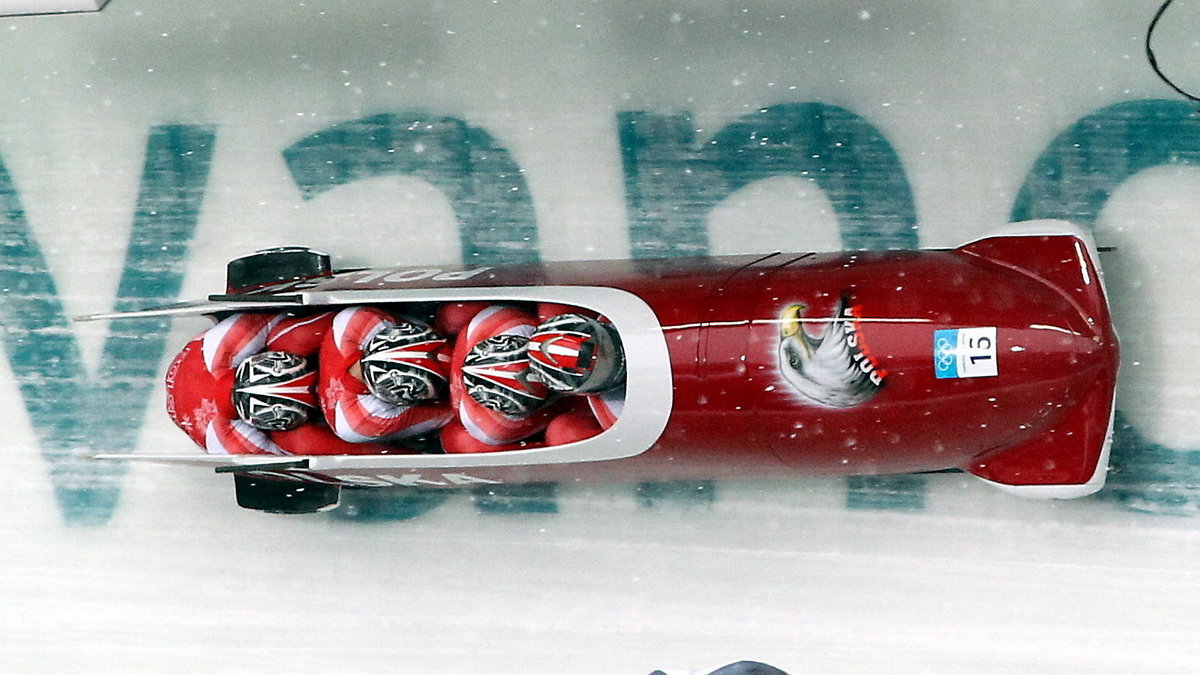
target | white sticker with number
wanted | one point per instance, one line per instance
(965, 352)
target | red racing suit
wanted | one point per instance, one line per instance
(201, 378)
(479, 429)
(355, 414)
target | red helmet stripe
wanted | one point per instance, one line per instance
(298, 389)
(424, 355)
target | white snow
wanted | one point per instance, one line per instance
(968, 93)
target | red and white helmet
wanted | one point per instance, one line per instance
(496, 374)
(574, 354)
(274, 391)
(401, 364)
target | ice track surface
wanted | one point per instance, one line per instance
(143, 146)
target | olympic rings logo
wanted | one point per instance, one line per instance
(944, 351)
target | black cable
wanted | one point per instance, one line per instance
(1154, 60)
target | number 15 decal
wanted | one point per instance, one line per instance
(965, 352)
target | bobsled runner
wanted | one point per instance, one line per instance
(997, 358)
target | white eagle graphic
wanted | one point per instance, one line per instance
(831, 369)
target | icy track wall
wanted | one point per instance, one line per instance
(142, 147)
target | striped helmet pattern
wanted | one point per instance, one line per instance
(274, 391)
(496, 375)
(402, 364)
(572, 353)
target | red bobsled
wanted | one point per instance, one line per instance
(997, 358)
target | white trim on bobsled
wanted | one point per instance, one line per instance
(649, 385)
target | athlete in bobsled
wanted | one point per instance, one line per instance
(251, 384)
(247, 386)
(575, 354)
(383, 378)
(360, 380)
(510, 376)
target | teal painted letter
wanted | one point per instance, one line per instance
(485, 186)
(73, 412)
(1073, 179)
(1081, 168)
(672, 181)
